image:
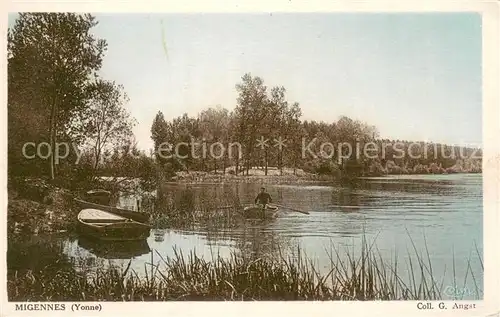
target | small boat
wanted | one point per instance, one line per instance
(99, 192)
(256, 212)
(103, 225)
(100, 196)
(130, 214)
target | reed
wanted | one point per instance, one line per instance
(190, 277)
(182, 208)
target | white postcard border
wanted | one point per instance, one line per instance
(491, 172)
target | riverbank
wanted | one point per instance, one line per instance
(35, 207)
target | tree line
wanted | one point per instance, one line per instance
(267, 114)
(57, 96)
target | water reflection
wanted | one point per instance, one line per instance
(115, 250)
(158, 234)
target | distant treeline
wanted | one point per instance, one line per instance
(68, 124)
(217, 138)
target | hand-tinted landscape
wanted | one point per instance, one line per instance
(122, 189)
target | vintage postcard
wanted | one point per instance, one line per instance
(260, 159)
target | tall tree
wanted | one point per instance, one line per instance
(273, 125)
(294, 134)
(213, 127)
(162, 136)
(159, 131)
(107, 122)
(51, 58)
(251, 111)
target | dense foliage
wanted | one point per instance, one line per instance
(338, 148)
(56, 101)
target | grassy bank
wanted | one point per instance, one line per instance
(35, 207)
(362, 277)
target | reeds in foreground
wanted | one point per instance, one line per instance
(191, 277)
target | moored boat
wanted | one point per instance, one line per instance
(103, 225)
(130, 214)
(99, 196)
(257, 212)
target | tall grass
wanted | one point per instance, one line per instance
(185, 208)
(191, 277)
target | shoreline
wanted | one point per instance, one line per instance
(207, 178)
(43, 208)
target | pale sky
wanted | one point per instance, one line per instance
(413, 76)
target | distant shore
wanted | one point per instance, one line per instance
(298, 176)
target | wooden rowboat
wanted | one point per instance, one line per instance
(130, 214)
(256, 212)
(99, 192)
(103, 225)
(99, 196)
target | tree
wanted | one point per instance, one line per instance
(159, 134)
(107, 123)
(213, 128)
(273, 126)
(233, 134)
(51, 58)
(294, 134)
(184, 130)
(250, 110)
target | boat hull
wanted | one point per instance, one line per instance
(116, 233)
(136, 216)
(98, 196)
(256, 212)
(100, 225)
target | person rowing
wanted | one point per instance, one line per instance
(263, 198)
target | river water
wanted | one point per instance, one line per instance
(438, 215)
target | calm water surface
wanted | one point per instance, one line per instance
(438, 214)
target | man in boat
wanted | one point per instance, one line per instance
(263, 198)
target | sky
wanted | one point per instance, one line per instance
(415, 76)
